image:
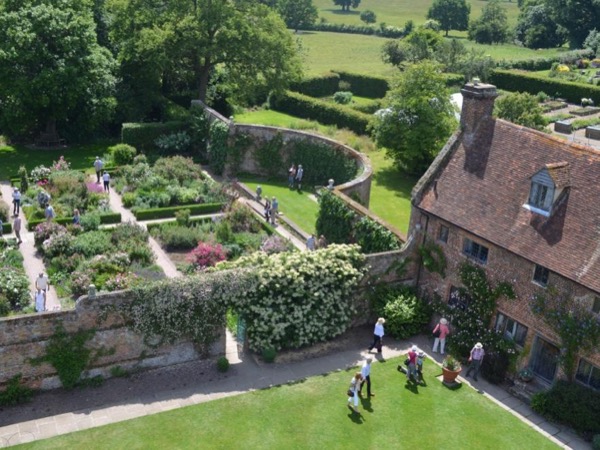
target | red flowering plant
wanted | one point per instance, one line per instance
(206, 255)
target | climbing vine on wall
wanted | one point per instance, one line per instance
(268, 156)
(433, 258)
(217, 150)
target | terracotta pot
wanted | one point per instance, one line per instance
(450, 375)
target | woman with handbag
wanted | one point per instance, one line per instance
(439, 333)
(353, 391)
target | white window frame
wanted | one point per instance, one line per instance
(587, 377)
(502, 325)
(469, 243)
(538, 282)
(537, 202)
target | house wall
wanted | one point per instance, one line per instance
(502, 265)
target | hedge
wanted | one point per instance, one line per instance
(318, 86)
(454, 79)
(517, 80)
(306, 107)
(105, 219)
(6, 227)
(143, 135)
(536, 64)
(365, 85)
(16, 181)
(192, 220)
(385, 31)
(161, 213)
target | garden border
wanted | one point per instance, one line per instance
(169, 211)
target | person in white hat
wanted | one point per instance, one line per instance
(476, 358)
(439, 333)
(378, 333)
(412, 363)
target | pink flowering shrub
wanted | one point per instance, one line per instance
(275, 244)
(80, 282)
(61, 164)
(94, 187)
(206, 255)
(46, 229)
(120, 281)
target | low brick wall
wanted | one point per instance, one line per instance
(23, 338)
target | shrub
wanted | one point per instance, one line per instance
(23, 179)
(90, 221)
(14, 287)
(571, 404)
(58, 244)
(318, 86)
(129, 199)
(15, 392)
(142, 135)
(373, 237)
(269, 354)
(405, 314)
(222, 364)
(92, 243)
(46, 229)
(241, 218)
(182, 217)
(178, 237)
(161, 213)
(80, 282)
(275, 244)
(180, 142)
(342, 97)
(4, 212)
(335, 219)
(122, 154)
(596, 442)
(40, 173)
(178, 168)
(218, 149)
(206, 255)
(128, 232)
(12, 258)
(368, 16)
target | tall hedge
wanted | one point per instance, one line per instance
(517, 80)
(365, 85)
(318, 86)
(306, 107)
(321, 162)
(143, 135)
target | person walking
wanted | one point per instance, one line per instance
(365, 372)
(42, 283)
(353, 391)
(310, 243)
(412, 363)
(299, 175)
(40, 300)
(258, 193)
(378, 333)
(17, 229)
(476, 358)
(106, 179)
(267, 210)
(16, 195)
(98, 166)
(274, 210)
(291, 176)
(49, 213)
(440, 332)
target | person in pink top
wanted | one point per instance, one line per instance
(440, 332)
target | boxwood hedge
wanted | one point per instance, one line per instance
(143, 135)
(161, 213)
(105, 219)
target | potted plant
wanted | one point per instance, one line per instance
(525, 375)
(451, 368)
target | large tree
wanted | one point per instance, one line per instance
(451, 14)
(417, 118)
(520, 108)
(298, 13)
(52, 70)
(537, 29)
(246, 42)
(578, 17)
(346, 4)
(492, 26)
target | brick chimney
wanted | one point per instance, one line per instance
(477, 106)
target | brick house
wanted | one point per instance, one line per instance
(523, 205)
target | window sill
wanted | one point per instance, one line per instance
(535, 210)
(474, 260)
(543, 286)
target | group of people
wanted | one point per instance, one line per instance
(271, 210)
(98, 166)
(313, 244)
(42, 286)
(295, 175)
(414, 360)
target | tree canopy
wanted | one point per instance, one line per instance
(346, 4)
(298, 13)
(520, 108)
(492, 26)
(417, 118)
(537, 29)
(52, 70)
(577, 17)
(451, 14)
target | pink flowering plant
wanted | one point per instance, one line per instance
(206, 255)
(61, 164)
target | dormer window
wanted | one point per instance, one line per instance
(547, 187)
(541, 196)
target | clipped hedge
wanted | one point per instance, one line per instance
(365, 85)
(454, 79)
(318, 86)
(142, 135)
(369, 30)
(537, 64)
(162, 213)
(105, 219)
(6, 227)
(306, 107)
(517, 80)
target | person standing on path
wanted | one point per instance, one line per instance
(49, 213)
(16, 195)
(378, 333)
(365, 372)
(274, 210)
(299, 175)
(106, 179)
(40, 301)
(440, 332)
(42, 283)
(17, 229)
(267, 210)
(310, 243)
(353, 389)
(412, 363)
(476, 358)
(98, 166)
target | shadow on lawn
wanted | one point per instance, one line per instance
(396, 180)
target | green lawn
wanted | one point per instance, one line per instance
(80, 156)
(390, 189)
(313, 414)
(293, 204)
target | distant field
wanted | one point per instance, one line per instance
(362, 54)
(397, 12)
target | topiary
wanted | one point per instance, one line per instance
(269, 354)
(122, 154)
(222, 364)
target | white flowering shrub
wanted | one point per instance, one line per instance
(300, 298)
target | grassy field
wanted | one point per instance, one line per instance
(362, 54)
(313, 414)
(390, 189)
(80, 157)
(397, 12)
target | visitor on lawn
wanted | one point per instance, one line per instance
(258, 193)
(476, 358)
(353, 389)
(106, 179)
(439, 333)
(49, 213)
(378, 333)
(267, 210)
(412, 363)
(420, 359)
(16, 195)
(17, 229)
(291, 175)
(365, 372)
(40, 301)
(299, 175)
(98, 166)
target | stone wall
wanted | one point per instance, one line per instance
(25, 337)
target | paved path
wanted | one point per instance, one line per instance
(247, 375)
(32, 261)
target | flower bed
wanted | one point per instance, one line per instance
(171, 211)
(14, 284)
(586, 111)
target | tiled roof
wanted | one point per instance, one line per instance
(486, 182)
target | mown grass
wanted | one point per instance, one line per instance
(313, 415)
